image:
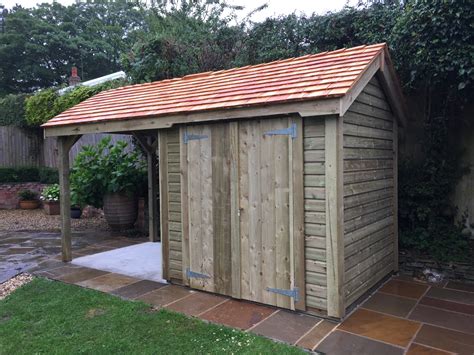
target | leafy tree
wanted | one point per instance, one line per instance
(185, 37)
(40, 45)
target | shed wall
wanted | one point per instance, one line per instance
(173, 187)
(314, 212)
(368, 132)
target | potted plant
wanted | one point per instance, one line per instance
(50, 198)
(76, 205)
(28, 200)
(107, 176)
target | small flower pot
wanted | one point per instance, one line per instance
(29, 204)
(51, 207)
(76, 212)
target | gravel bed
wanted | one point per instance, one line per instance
(37, 220)
(15, 282)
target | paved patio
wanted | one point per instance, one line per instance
(22, 251)
(403, 316)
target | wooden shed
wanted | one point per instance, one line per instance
(278, 182)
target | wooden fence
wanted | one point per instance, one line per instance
(22, 147)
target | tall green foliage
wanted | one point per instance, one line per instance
(12, 110)
(46, 104)
(40, 45)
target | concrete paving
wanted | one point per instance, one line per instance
(141, 260)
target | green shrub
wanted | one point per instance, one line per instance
(104, 168)
(29, 174)
(48, 175)
(50, 193)
(19, 174)
(12, 110)
(40, 107)
(27, 195)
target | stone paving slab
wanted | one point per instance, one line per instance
(403, 316)
(23, 251)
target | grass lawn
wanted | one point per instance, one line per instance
(50, 317)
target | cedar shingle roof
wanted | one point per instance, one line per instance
(311, 77)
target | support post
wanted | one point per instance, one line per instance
(334, 217)
(64, 145)
(152, 191)
(150, 145)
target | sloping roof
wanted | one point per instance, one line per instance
(311, 77)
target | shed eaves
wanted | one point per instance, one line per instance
(311, 77)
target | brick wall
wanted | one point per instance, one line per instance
(9, 193)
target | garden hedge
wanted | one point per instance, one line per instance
(29, 174)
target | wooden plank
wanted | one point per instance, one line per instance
(313, 127)
(244, 149)
(315, 193)
(314, 278)
(313, 143)
(164, 200)
(369, 110)
(365, 231)
(315, 254)
(371, 100)
(362, 210)
(314, 156)
(360, 142)
(314, 205)
(314, 168)
(315, 266)
(364, 187)
(315, 217)
(183, 172)
(367, 240)
(221, 208)
(367, 252)
(282, 213)
(267, 169)
(334, 217)
(314, 180)
(235, 208)
(364, 153)
(315, 229)
(316, 242)
(297, 215)
(305, 109)
(367, 197)
(316, 291)
(357, 165)
(369, 132)
(395, 196)
(368, 175)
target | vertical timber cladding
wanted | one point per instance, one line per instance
(369, 228)
(170, 198)
(315, 212)
(245, 210)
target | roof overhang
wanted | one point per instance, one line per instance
(382, 67)
(303, 108)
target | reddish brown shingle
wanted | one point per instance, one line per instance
(316, 76)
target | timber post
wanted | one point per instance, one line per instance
(64, 145)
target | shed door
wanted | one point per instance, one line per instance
(245, 206)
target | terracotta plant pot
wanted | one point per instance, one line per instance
(51, 207)
(120, 210)
(29, 204)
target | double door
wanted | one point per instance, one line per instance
(243, 209)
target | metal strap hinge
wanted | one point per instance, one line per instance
(192, 137)
(291, 131)
(196, 275)
(293, 293)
